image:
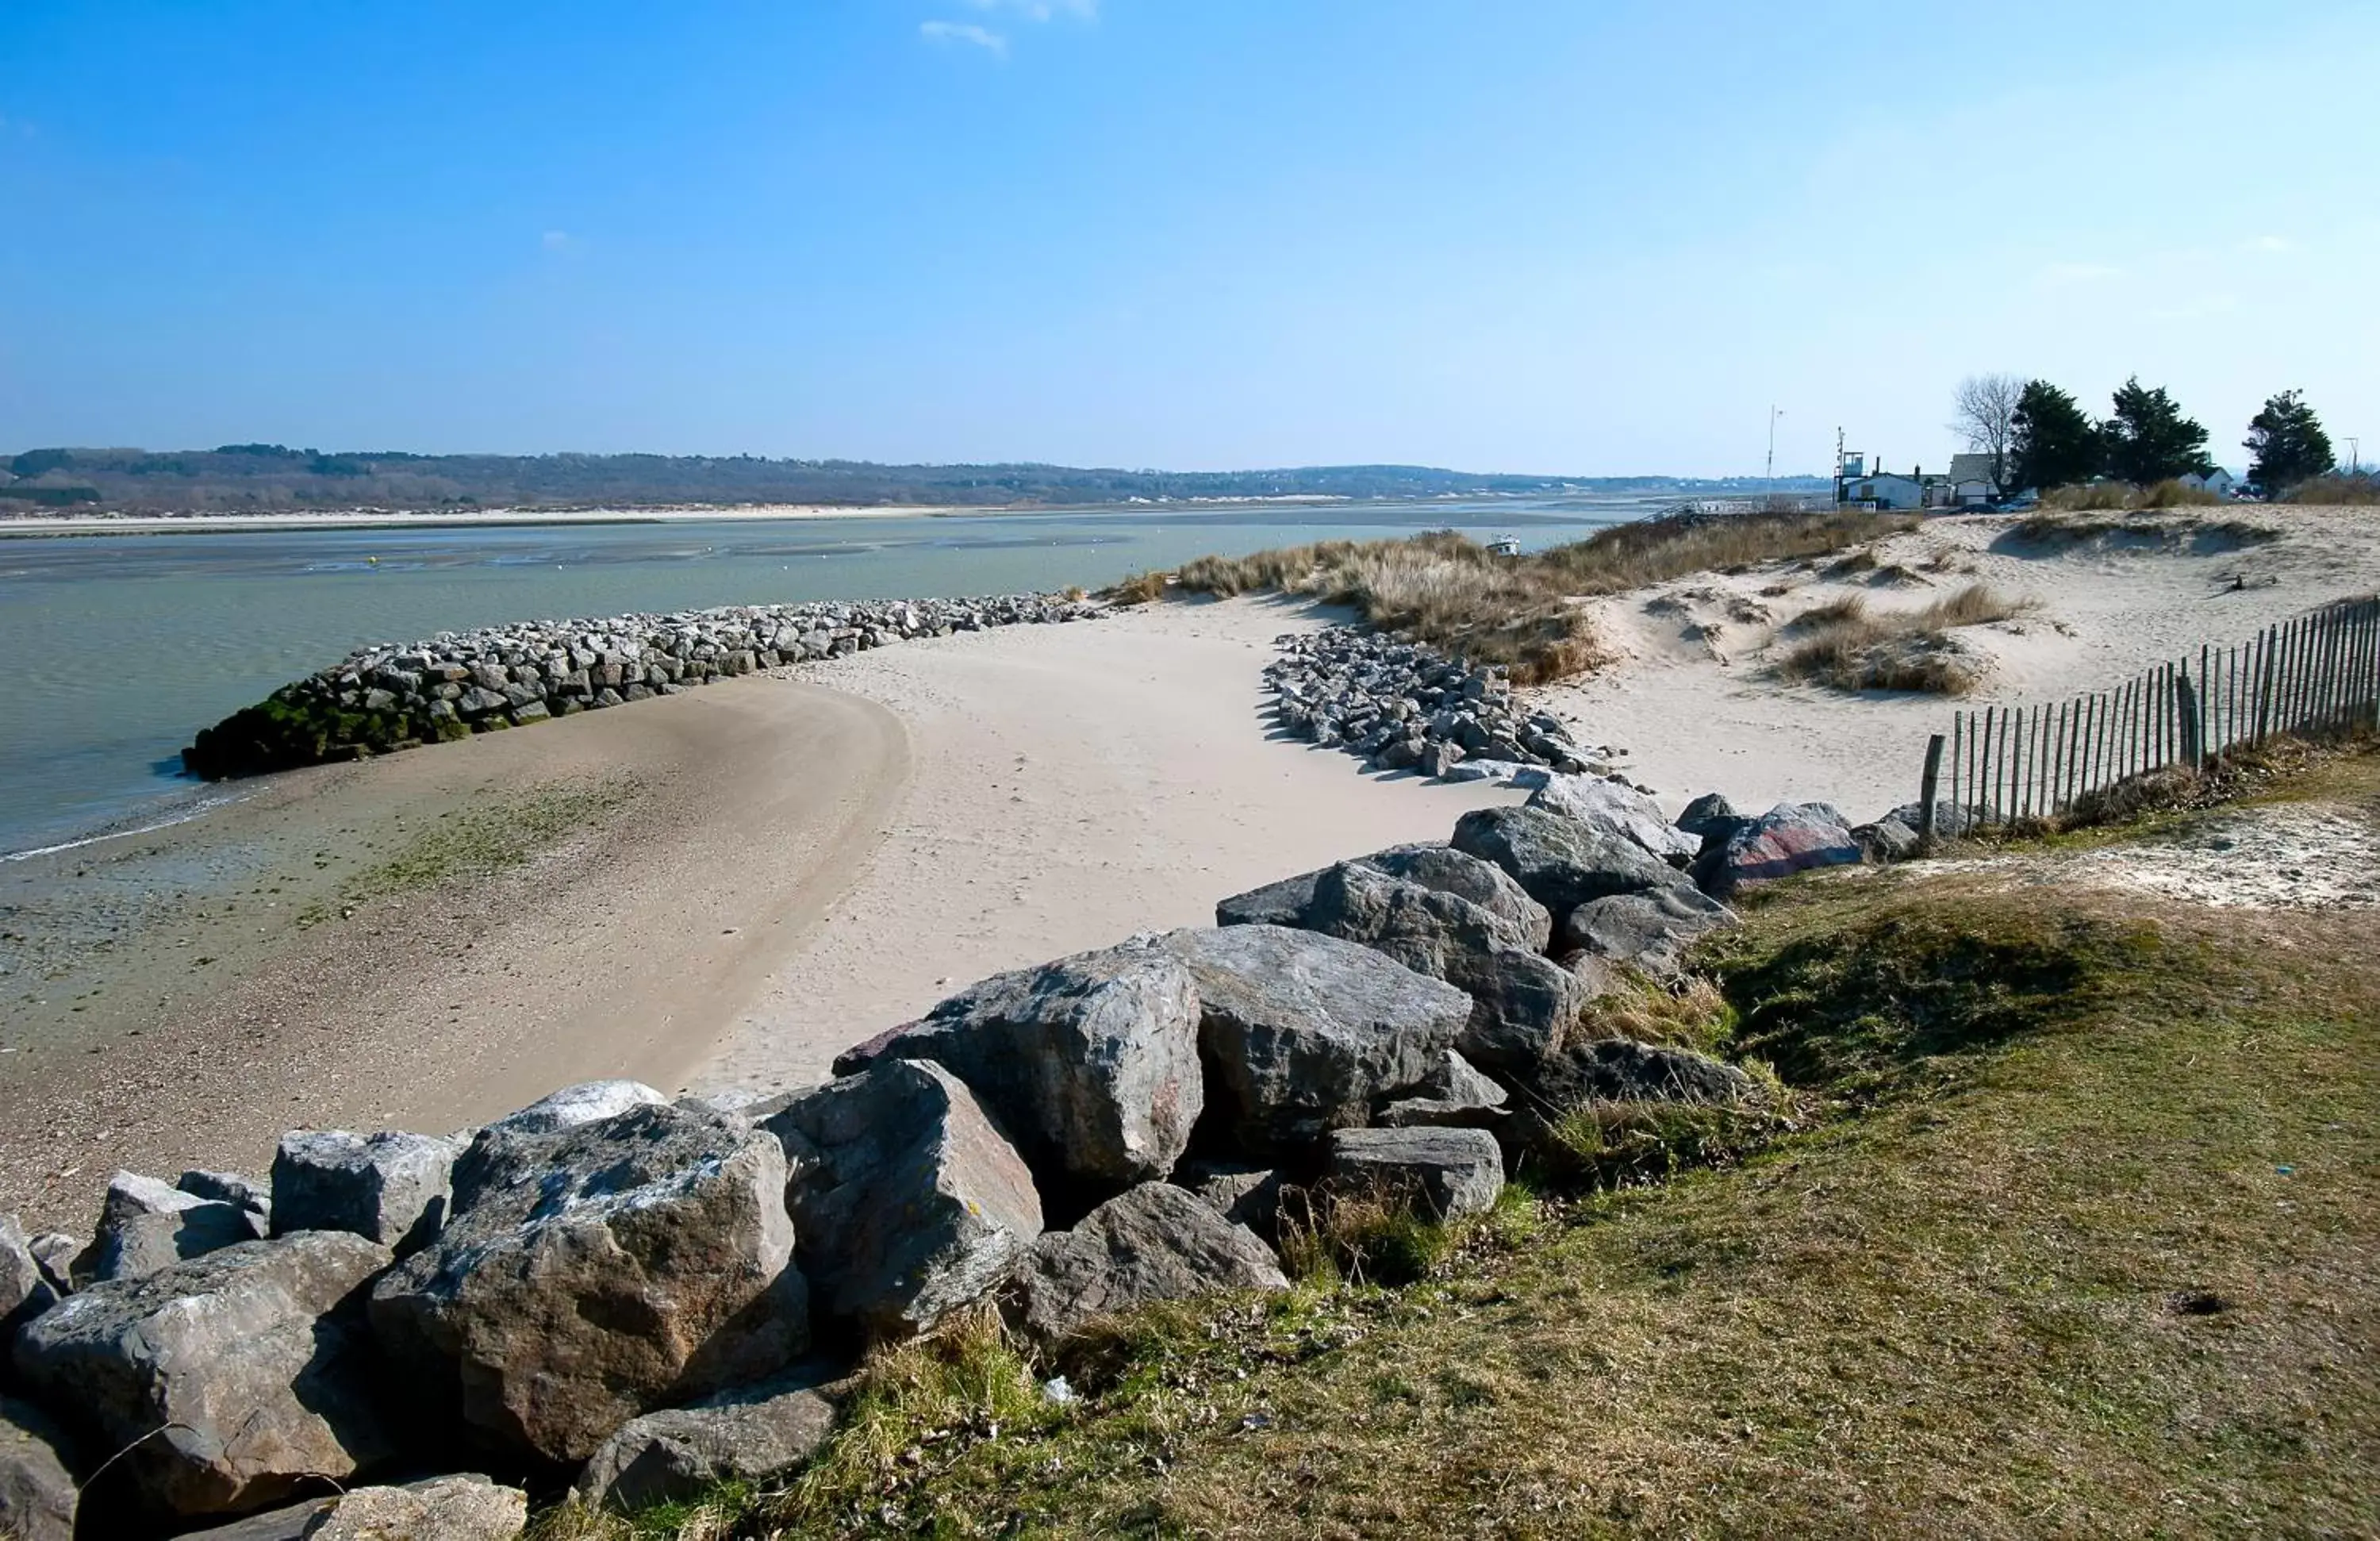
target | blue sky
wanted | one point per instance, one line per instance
(1596, 237)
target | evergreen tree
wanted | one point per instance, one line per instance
(2287, 443)
(2053, 442)
(2150, 441)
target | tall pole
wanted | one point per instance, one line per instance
(1775, 412)
(2354, 456)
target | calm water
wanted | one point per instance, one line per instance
(118, 648)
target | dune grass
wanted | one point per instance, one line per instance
(1517, 611)
(1846, 644)
(2337, 489)
(2123, 495)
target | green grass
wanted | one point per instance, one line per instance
(2087, 1244)
(482, 841)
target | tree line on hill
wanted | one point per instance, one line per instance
(2039, 436)
(267, 477)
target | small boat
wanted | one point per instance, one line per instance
(1504, 545)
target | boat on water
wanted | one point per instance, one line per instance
(1504, 545)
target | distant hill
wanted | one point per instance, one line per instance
(265, 477)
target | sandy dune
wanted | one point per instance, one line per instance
(1692, 697)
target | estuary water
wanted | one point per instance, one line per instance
(120, 647)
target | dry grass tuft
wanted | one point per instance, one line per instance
(2123, 495)
(1520, 613)
(1852, 648)
(2337, 489)
(1139, 589)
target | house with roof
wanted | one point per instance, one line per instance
(1971, 483)
(2217, 481)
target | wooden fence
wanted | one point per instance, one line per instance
(2316, 677)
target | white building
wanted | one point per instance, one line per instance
(1885, 490)
(2217, 481)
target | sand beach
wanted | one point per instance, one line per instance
(723, 889)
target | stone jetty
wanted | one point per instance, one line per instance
(384, 699)
(622, 1296)
(1404, 705)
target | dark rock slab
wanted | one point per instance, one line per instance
(1447, 1173)
(755, 1434)
(390, 1188)
(37, 1485)
(1651, 930)
(1561, 862)
(145, 1225)
(1789, 838)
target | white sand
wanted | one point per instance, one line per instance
(1692, 697)
(1070, 785)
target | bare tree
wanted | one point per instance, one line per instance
(1985, 405)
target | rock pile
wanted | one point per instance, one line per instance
(1405, 706)
(631, 1296)
(384, 698)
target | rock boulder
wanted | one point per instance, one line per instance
(1447, 1173)
(254, 1359)
(390, 1188)
(144, 1225)
(1651, 930)
(1303, 1033)
(1789, 838)
(583, 1103)
(755, 1434)
(1561, 862)
(599, 1271)
(25, 1290)
(1153, 1242)
(1619, 809)
(1090, 1063)
(909, 1201)
(37, 1486)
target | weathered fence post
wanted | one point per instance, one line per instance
(2186, 704)
(1929, 788)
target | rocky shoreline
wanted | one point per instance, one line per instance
(383, 699)
(634, 1297)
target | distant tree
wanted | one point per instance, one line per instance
(2287, 443)
(1984, 411)
(2149, 440)
(2052, 441)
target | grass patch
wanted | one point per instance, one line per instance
(1362, 1235)
(482, 841)
(1519, 612)
(2123, 495)
(2337, 489)
(1851, 646)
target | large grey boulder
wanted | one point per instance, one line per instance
(57, 1254)
(1448, 870)
(1789, 838)
(1090, 1063)
(754, 1434)
(1445, 1173)
(1887, 840)
(1619, 809)
(37, 1486)
(1651, 930)
(599, 1271)
(1155, 1241)
(230, 1187)
(465, 1507)
(145, 1225)
(909, 1201)
(1561, 862)
(392, 1188)
(25, 1290)
(1280, 903)
(1292, 902)
(254, 1361)
(1303, 1033)
(1522, 1002)
(1708, 815)
(572, 1106)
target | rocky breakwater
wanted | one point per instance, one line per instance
(631, 1297)
(1405, 706)
(384, 699)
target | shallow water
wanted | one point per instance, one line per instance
(118, 648)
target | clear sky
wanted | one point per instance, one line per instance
(1593, 236)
